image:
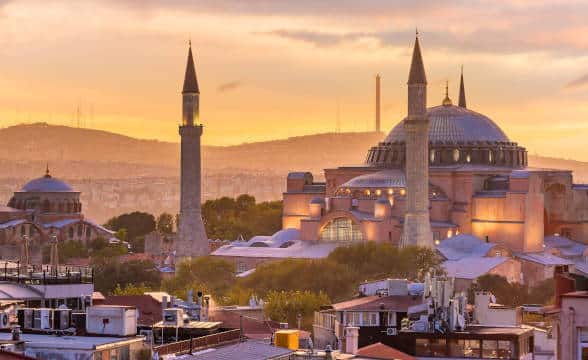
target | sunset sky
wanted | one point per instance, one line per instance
(273, 69)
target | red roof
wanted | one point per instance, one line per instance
(376, 303)
(149, 308)
(385, 352)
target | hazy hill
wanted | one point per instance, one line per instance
(76, 153)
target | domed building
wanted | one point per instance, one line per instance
(44, 208)
(479, 183)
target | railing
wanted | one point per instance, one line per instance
(45, 274)
(186, 346)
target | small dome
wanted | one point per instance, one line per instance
(317, 200)
(381, 179)
(451, 123)
(46, 183)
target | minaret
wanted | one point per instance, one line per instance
(378, 103)
(192, 239)
(417, 227)
(462, 98)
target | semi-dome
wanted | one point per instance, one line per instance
(455, 124)
(46, 183)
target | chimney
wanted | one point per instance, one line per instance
(378, 103)
(351, 339)
(163, 303)
(563, 283)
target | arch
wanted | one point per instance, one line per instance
(340, 227)
(46, 206)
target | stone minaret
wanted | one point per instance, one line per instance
(462, 97)
(192, 239)
(417, 227)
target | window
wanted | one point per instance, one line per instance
(71, 232)
(490, 349)
(88, 232)
(341, 230)
(505, 349)
(80, 230)
(455, 155)
(432, 155)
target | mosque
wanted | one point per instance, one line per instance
(443, 172)
(44, 209)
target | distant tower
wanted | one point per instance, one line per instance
(192, 239)
(378, 103)
(417, 227)
(462, 98)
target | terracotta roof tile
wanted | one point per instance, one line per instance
(385, 352)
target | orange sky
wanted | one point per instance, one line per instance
(272, 69)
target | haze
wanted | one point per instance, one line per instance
(273, 69)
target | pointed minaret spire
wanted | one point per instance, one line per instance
(462, 98)
(447, 100)
(417, 69)
(190, 81)
(47, 174)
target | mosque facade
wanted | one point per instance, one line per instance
(479, 183)
(43, 209)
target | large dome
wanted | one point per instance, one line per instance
(457, 136)
(455, 124)
(46, 183)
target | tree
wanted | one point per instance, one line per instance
(205, 273)
(227, 218)
(165, 223)
(287, 306)
(71, 249)
(131, 289)
(109, 272)
(136, 223)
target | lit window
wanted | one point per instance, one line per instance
(341, 230)
(432, 155)
(402, 192)
(390, 191)
(468, 158)
(378, 192)
(449, 233)
(490, 156)
(368, 192)
(455, 155)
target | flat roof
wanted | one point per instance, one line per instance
(71, 342)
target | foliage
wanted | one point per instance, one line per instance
(205, 273)
(340, 273)
(286, 306)
(227, 218)
(131, 289)
(98, 243)
(136, 223)
(71, 249)
(165, 223)
(514, 294)
(110, 273)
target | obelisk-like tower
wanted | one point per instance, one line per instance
(417, 227)
(192, 239)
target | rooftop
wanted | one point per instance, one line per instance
(381, 351)
(472, 267)
(375, 303)
(71, 342)
(248, 350)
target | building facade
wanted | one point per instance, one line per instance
(478, 183)
(43, 209)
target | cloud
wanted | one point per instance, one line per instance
(576, 83)
(229, 86)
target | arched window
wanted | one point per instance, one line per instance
(432, 156)
(46, 206)
(71, 232)
(80, 230)
(88, 232)
(455, 155)
(341, 230)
